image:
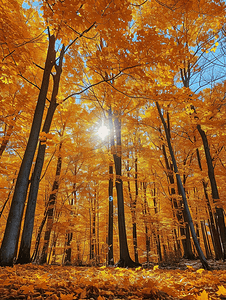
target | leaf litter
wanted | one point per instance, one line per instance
(35, 282)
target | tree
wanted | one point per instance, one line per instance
(11, 236)
(110, 195)
(24, 252)
(51, 208)
(180, 185)
(125, 259)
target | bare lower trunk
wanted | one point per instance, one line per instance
(110, 217)
(38, 238)
(50, 212)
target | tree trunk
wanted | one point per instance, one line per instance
(205, 240)
(51, 208)
(38, 238)
(134, 217)
(93, 231)
(214, 232)
(133, 204)
(219, 210)
(69, 235)
(145, 211)
(180, 213)
(125, 259)
(110, 217)
(180, 185)
(25, 246)
(8, 249)
(67, 260)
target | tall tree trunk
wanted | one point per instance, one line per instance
(110, 217)
(179, 210)
(67, 260)
(214, 232)
(8, 249)
(134, 217)
(156, 234)
(93, 231)
(110, 196)
(219, 210)
(180, 185)
(69, 235)
(51, 208)
(133, 203)
(205, 240)
(52, 252)
(145, 212)
(125, 259)
(25, 246)
(38, 238)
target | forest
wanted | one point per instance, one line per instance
(112, 142)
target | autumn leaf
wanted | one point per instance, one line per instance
(199, 271)
(67, 297)
(190, 267)
(27, 289)
(221, 291)
(203, 296)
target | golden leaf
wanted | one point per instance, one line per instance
(67, 297)
(199, 271)
(27, 289)
(221, 290)
(203, 296)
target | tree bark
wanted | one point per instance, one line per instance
(134, 213)
(125, 259)
(145, 212)
(69, 235)
(25, 246)
(110, 217)
(51, 208)
(205, 240)
(133, 204)
(214, 232)
(180, 214)
(219, 210)
(8, 249)
(38, 238)
(180, 185)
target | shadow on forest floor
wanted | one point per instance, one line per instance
(183, 264)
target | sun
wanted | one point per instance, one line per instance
(103, 131)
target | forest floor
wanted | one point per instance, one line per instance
(182, 280)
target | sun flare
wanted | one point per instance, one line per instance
(103, 131)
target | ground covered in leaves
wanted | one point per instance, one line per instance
(185, 280)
